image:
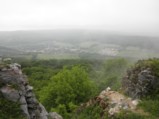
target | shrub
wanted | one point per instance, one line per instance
(68, 88)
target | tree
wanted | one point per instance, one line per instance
(71, 86)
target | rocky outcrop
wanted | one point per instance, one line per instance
(15, 87)
(140, 81)
(118, 102)
(54, 115)
(112, 103)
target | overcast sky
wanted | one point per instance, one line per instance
(136, 16)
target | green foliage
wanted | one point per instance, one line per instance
(131, 115)
(95, 112)
(150, 63)
(113, 71)
(61, 109)
(9, 110)
(69, 87)
(63, 89)
(91, 112)
(151, 105)
(72, 85)
(66, 90)
(39, 76)
(103, 73)
(39, 73)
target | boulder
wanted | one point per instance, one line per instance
(43, 114)
(10, 93)
(54, 115)
(142, 79)
(22, 100)
(8, 78)
(24, 108)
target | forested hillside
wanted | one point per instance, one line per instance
(73, 81)
(63, 86)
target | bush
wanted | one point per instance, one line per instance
(91, 112)
(68, 88)
(131, 115)
(151, 105)
(113, 72)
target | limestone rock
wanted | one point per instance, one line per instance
(44, 114)
(111, 102)
(22, 100)
(54, 115)
(10, 93)
(24, 107)
(139, 82)
(15, 87)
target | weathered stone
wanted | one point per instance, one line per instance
(54, 115)
(111, 103)
(20, 80)
(29, 88)
(7, 77)
(22, 100)
(139, 82)
(32, 106)
(4, 69)
(135, 102)
(43, 113)
(22, 90)
(16, 68)
(16, 89)
(32, 100)
(29, 94)
(10, 93)
(24, 108)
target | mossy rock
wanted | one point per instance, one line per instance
(142, 79)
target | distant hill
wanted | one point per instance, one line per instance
(9, 52)
(80, 44)
(40, 38)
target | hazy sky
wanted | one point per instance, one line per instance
(136, 16)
